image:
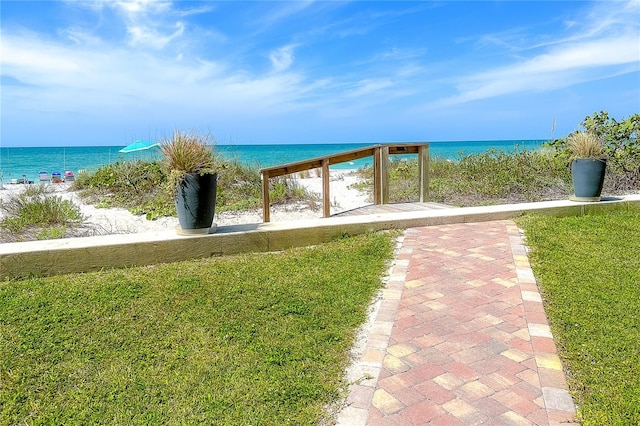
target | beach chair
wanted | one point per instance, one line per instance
(69, 176)
(43, 177)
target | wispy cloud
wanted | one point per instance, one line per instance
(143, 35)
(156, 63)
(369, 86)
(604, 44)
(81, 79)
(282, 58)
(560, 67)
(32, 58)
(149, 23)
(399, 54)
(282, 11)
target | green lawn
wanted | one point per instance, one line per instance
(256, 339)
(588, 269)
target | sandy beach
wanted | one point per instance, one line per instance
(105, 221)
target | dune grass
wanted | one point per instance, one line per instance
(35, 214)
(144, 188)
(255, 339)
(493, 177)
(588, 269)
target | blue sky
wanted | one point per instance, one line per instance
(109, 72)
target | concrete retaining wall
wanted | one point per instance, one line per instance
(54, 257)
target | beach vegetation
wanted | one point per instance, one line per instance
(188, 153)
(35, 214)
(588, 271)
(621, 147)
(585, 145)
(499, 177)
(122, 184)
(250, 339)
(144, 188)
(493, 177)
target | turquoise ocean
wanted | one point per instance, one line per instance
(16, 162)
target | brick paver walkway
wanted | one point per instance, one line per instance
(460, 337)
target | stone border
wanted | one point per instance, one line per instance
(364, 372)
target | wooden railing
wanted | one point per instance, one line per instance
(380, 154)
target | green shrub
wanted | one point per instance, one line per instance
(35, 214)
(139, 186)
(492, 177)
(621, 148)
(143, 188)
(239, 188)
(519, 176)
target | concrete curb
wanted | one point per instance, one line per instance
(54, 257)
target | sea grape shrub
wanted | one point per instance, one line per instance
(622, 148)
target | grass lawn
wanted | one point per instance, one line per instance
(588, 269)
(256, 339)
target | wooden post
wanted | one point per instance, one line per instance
(326, 199)
(423, 171)
(265, 197)
(384, 175)
(376, 176)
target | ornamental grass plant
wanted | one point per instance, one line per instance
(585, 145)
(621, 148)
(186, 153)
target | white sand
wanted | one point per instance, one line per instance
(120, 221)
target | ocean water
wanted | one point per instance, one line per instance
(16, 162)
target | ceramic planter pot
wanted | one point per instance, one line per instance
(588, 178)
(196, 203)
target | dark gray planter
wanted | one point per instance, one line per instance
(196, 202)
(588, 178)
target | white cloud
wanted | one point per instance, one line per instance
(147, 36)
(282, 58)
(282, 11)
(34, 58)
(605, 45)
(139, 7)
(82, 80)
(155, 66)
(147, 21)
(369, 86)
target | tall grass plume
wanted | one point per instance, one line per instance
(586, 145)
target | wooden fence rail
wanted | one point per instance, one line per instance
(380, 154)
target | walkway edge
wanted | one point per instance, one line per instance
(53, 257)
(363, 374)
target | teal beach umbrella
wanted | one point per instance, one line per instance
(139, 145)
